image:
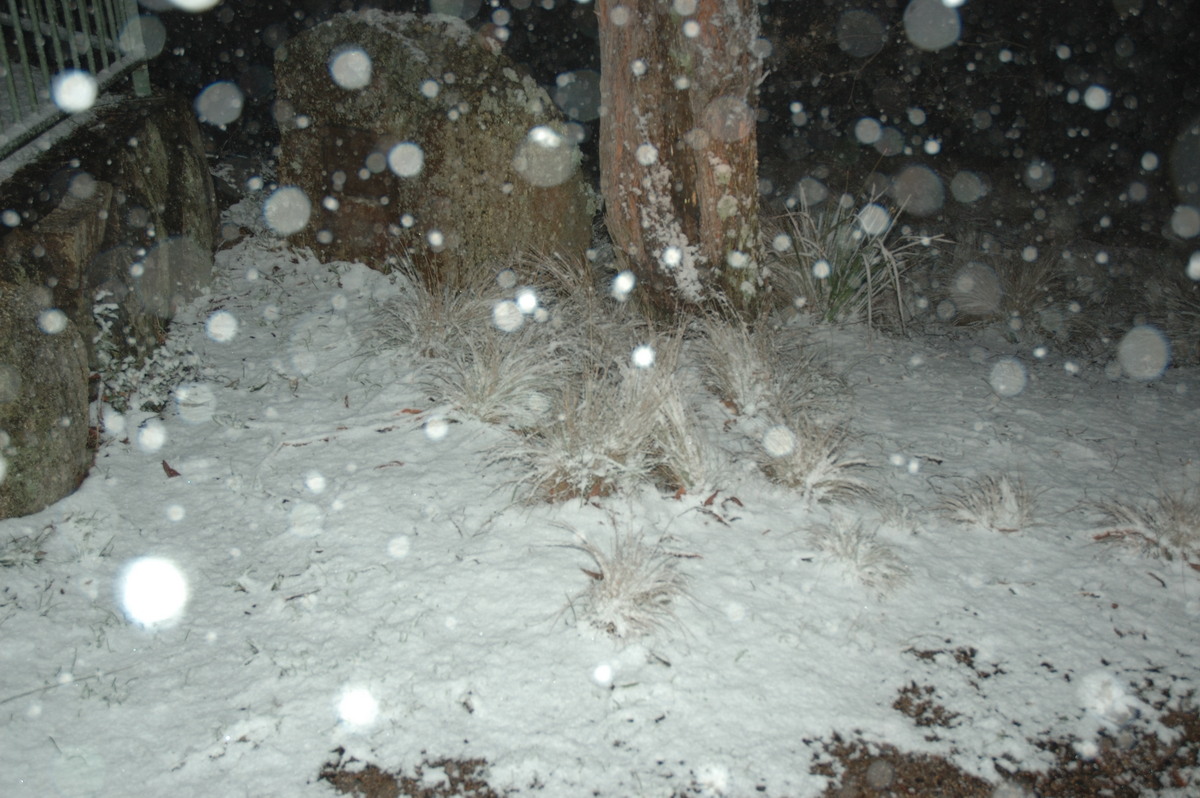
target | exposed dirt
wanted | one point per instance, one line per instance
(1126, 766)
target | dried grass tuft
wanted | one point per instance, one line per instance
(811, 459)
(999, 503)
(634, 588)
(865, 559)
(1168, 525)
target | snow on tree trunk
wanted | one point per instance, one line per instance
(678, 155)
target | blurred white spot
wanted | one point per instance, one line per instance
(315, 482)
(646, 154)
(782, 242)
(691, 29)
(1038, 175)
(931, 25)
(399, 547)
(74, 90)
(287, 210)
(194, 402)
(1097, 98)
(779, 441)
(351, 68)
(151, 436)
(1008, 377)
(52, 321)
(874, 219)
(10, 218)
(1144, 353)
(619, 15)
(602, 674)
(545, 157)
(430, 88)
(822, 269)
(643, 356)
(1193, 266)
(918, 190)
(527, 301)
(860, 33)
(867, 130)
(728, 118)
(306, 520)
(506, 279)
(152, 591)
(436, 428)
(406, 159)
(221, 326)
(507, 315)
(916, 116)
(672, 257)
(175, 512)
(637, 66)
(623, 284)
(219, 104)
(194, 6)
(1101, 694)
(1185, 221)
(144, 32)
(1149, 161)
(578, 94)
(811, 191)
(436, 240)
(357, 707)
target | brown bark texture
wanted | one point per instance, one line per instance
(678, 155)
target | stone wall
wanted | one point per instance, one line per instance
(123, 208)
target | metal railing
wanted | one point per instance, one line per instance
(40, 39)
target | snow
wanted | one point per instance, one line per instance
(302, 554)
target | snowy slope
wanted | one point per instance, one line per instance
(356, 577)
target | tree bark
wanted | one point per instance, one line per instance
(678, 155)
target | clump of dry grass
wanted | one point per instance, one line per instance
(634, 588)
(431, 319)
(1031, 290)
(1167, 525)
(611, 427)
(864, 558)
(811, 459)
(997, 503)
(1182, 323)
(756, 370)
(843, 264)
(497, 377)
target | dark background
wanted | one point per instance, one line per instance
(1008, 63)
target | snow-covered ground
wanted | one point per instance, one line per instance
(302, 553)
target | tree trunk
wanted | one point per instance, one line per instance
(678, 155)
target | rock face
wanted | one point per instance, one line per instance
(124, 209)
(134, 217)
(408, 135)
(43, 402)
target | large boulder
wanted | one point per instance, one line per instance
(410, 135)
(122, 212)
(133, 216)
(43, 402)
